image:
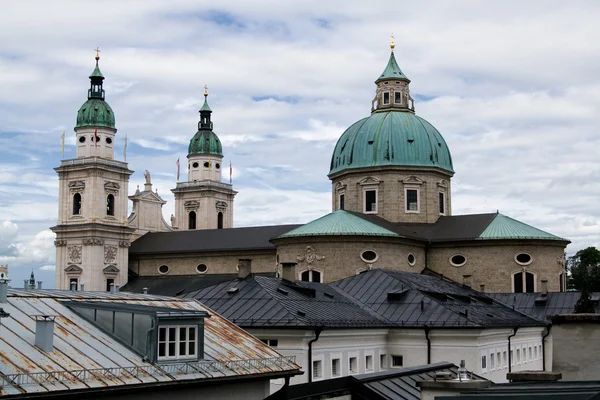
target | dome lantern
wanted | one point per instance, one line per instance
(96, 112)
(205, 141)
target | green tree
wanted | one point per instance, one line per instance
(585, 276)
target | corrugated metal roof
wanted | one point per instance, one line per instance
(339, 223)
(85, 356)
(503, 227)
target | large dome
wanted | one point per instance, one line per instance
(205, 142)
(95, 113)
(391, 138)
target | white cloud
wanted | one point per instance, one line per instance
(48, 268)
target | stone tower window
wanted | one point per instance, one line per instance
(523, 282)
(311, 276)
(370, 201)
(412, 200)
(195, 165)
(77, 204)
(220, 220)
(386, 98)
(192, 220)
(398, 97)
(369, 256)
(442, 203)
(523, 259)
(109, 282)
(341, 201)
(82, 139)
(201, 268)
(163, 269)
(458, 260)
(110, 205)
(411, 259)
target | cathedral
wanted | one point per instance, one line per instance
(391, 175)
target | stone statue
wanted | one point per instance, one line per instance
(172, 220)
(147, 176)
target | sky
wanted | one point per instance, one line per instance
(513, 87)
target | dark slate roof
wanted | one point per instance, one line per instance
(204, 240)
(259, 301)
(377, 298)
(572, 390)
(542, 307)
(394, 384)
(177, 285)
(415, 300)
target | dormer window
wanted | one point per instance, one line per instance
(386, 98)
(177, 342)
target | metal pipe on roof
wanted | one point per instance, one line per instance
(427, 329)
(310, 343)
(3, 290)
(548, 327)
(509, 356)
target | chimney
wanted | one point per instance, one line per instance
(467, 280)
(44, 332)
(25, 283)
(112, 288)
(288, 271)
(117, 288)
(544, 286)
(73, 286)
(482, 288)
(145, 290)
(244, 268)
(3, 290)
(82, 286)
(39, 284)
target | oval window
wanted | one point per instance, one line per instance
(368, 256)
(163, 269)
(206, 164)
(523, 259)
(458, 260)
(202, 268)
(82, 139)
(108, 140)
(411, 259)
(217, 165)
(195, 165)
(97, 138)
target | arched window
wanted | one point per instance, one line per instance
(310, 276)
(110, 205)
(524, 282)
(77, 204)
(220, 220)
(192, 220)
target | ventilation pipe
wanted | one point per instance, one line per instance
(112, 288)
(244, 268)
(44, 332)
(3, 290)
(39, 285)
(117, 287)
(467, 281)
(82, 286)
(25, 283)
(73, 286)
(288, 271)
(544, 286)
(145, 290)
(482, 288)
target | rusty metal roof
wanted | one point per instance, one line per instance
(86, 357)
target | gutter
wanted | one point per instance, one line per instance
(509, 357)
(548, 327)
(310, 371)
(427, 329)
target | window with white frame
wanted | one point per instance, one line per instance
(382, 361)
(397, 97)
(270, 342)
(535, 353)
(177, 342)
(342, 201)
(317, 369)
(370, 201)
(518, 356)
(442, 203)
(353, 365)
(483, 362)
(412, 200)
(336, 367)
(498, 360)
(492, 365)
(311, 275)
(369, 363)
(523, 282)
(386, 98)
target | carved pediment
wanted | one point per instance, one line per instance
(76, 186)
(412, 180)
(191, 205)
(221, 205)
(340, 186)
(369, 180)
(73, 269)
(111, 270)
(111, 186)
(443, 183)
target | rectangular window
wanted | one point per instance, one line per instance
(483, 362)
(397, 361)
(336, 369)
(529, 282)
(382, 361)
(370, 201)
(369, 363)
(518, 356)
(492, 365)
(397, 97)
(317, 371)
(530, 354)
(535, 354)
(518, 282)
(176, 342)
(108, 283)
(442, 204)
(504, 363)
(270, 342)
(386, 98)
(353, 365)
(341, 202)
(73, 281)
(412, 200)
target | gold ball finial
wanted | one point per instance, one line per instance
(392, 43)
(97, 54)
(205, 91)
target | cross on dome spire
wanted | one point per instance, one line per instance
(97, 53)
(392, 43)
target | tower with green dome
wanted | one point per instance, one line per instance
(92, 231)
(204, 201)
(393, 163)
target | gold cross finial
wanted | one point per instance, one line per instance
(205, 91)
(392, 44)
(97, 53)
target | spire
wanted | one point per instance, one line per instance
(205, 112)
(393, 92)
(32, 281)
(96, 78)
(392, 70)
(205, 106)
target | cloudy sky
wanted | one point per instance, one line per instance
(513, 86)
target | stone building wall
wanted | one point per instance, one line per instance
(575, 346)
(493, 264)
(390, 184)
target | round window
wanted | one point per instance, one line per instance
(523, 259)
(369, 256)
(82, 139)
(97, 138)
(195, 165)
(458, 260)
(217, 165)
(163, 269)
(201, 268)
(108, 140)
(411, 259)
(206, 164)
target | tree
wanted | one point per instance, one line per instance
(585, 276)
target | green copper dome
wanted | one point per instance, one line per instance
(205, 141)
(395, 138)
(96, 112)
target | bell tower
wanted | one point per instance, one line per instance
(92, 232)
(204, 202)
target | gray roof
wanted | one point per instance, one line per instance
(540, 306)
(205, 240)
(560, 390)
(377, 298)
(86, 358)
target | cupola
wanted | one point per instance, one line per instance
(96, 112)
(205, 141)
